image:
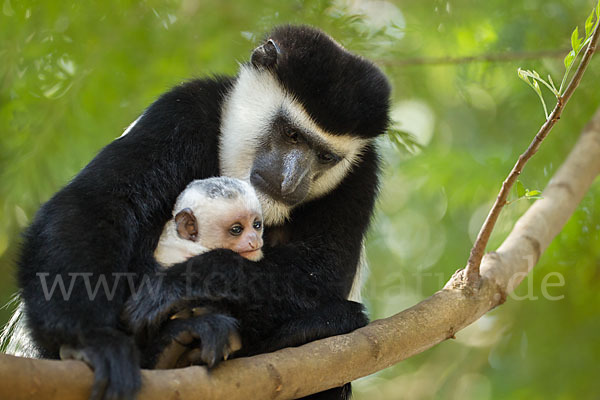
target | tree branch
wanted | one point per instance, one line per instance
(295, 372)
(483, 236)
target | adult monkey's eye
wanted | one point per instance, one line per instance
(326, 157)
(257, 225)
(236, 230)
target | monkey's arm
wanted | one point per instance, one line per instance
(73, 287)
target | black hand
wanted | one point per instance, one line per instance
(114, 358)
(214, 336)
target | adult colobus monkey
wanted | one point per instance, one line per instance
(298, 123)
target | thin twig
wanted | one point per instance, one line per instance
(497, 57)
(478, 250)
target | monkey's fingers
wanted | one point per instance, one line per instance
(184, 338)
(187, 313)
(234, 344)
(212, 337)
(216, 334)
(192, 357)
(170, 356)
(196, 356)
(235, 341)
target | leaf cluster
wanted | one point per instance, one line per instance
(577, 45)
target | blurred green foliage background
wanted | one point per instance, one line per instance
(73, 75)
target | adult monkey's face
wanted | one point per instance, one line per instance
(292, 159)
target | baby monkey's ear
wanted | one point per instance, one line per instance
(186, 225)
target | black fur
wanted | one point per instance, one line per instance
(315, 69)
(108, 220)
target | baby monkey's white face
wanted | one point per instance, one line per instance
(242, 233)
(214, 213)
(228, 226)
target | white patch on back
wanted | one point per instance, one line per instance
(362, 270)
(15, 337)
(256, 98)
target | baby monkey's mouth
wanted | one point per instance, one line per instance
(252, 255)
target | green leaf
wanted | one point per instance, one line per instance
(520, 189)
(536, 87)
(589, 24)
(569, 59)
(575, 40)
(598, 10)
(531, 193)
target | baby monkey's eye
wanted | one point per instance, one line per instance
(236, 230)
(257, 225)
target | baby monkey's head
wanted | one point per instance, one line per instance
(213, 213)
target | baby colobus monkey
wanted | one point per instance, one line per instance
(219, 212)
(212, 213)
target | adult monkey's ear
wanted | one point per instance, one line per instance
(186, 225)
(265, 56)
